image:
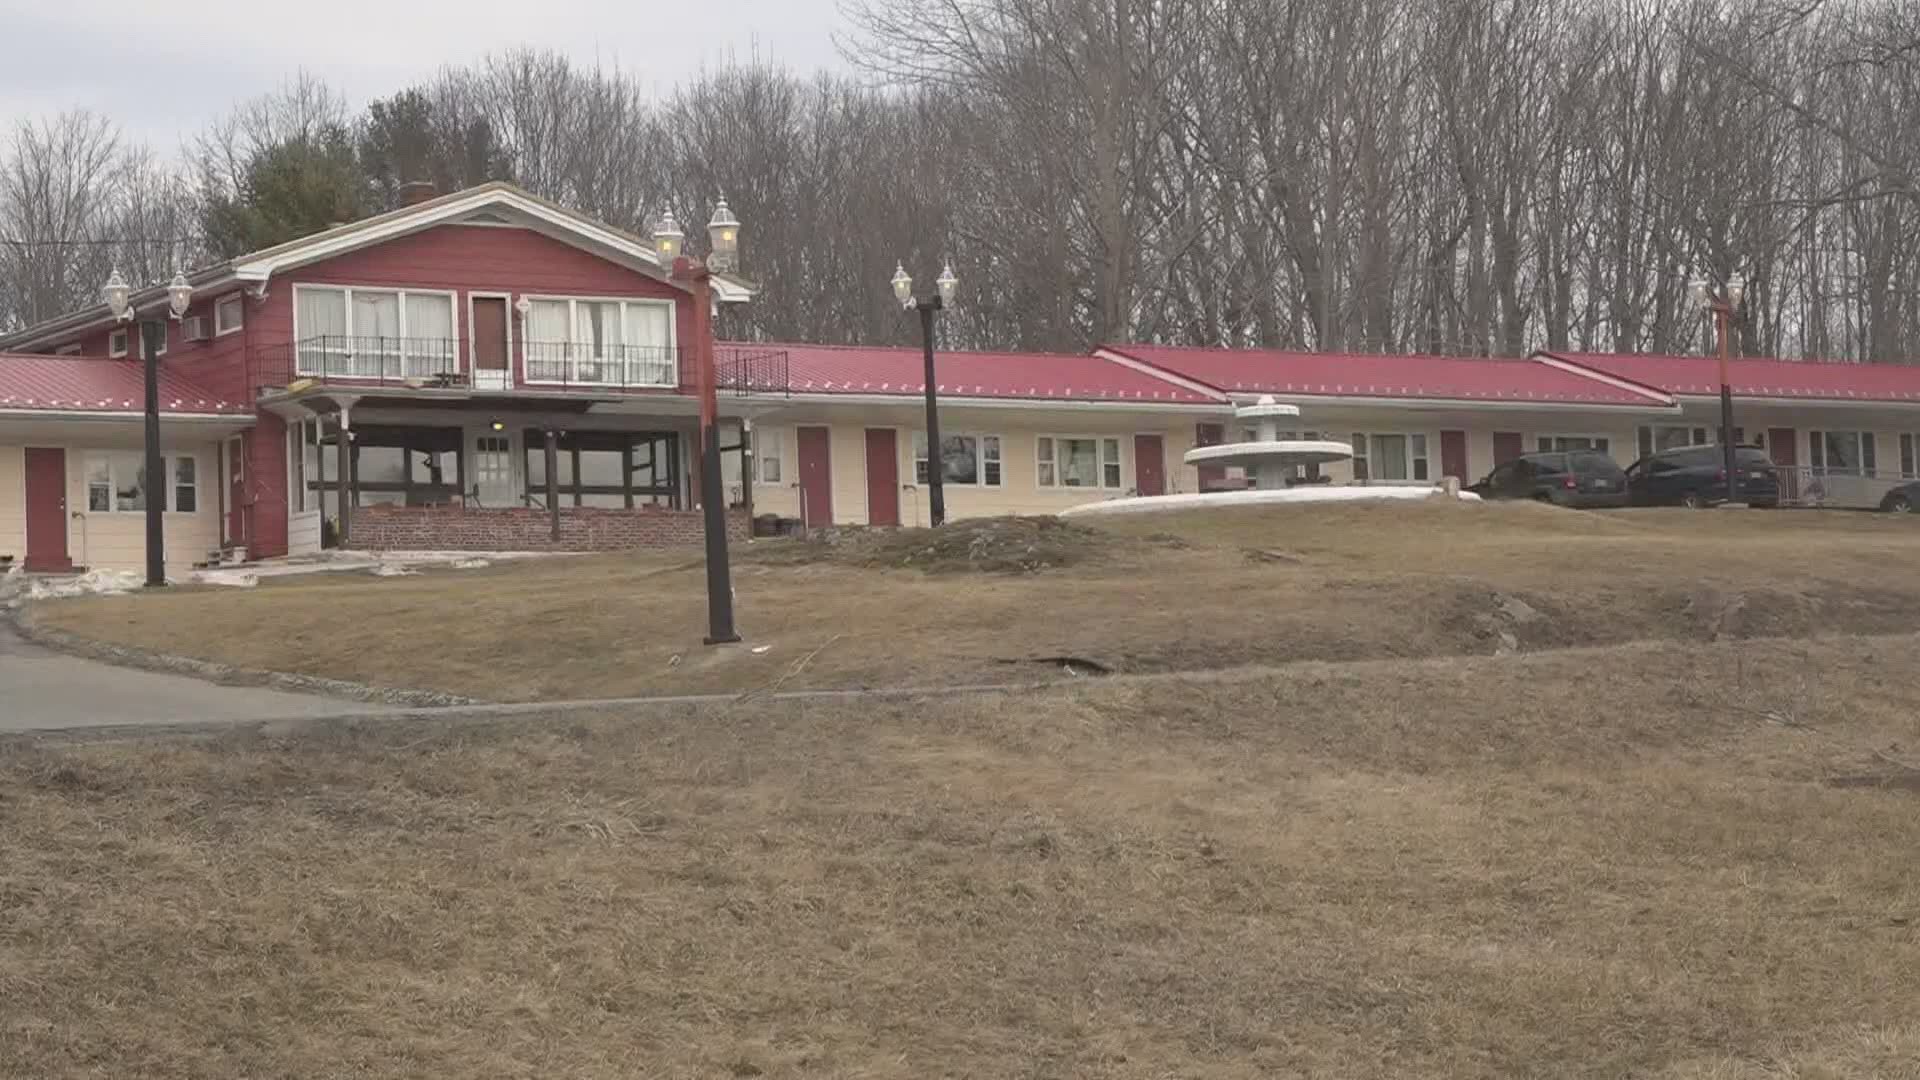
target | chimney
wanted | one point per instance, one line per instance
(415, 192)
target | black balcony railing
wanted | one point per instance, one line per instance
(628, 367)
(744, 370)
(739, 370)
(407, 361)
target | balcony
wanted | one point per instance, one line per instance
(442, 364)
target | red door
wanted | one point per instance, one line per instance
(1783, 446)
(1507, 445)
(816, 477)
(1453, 455)
(490, 341)
(883, 477)
(1212, 477)
(1149, 465)
(47, 510)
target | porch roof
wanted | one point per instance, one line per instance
(74, 384)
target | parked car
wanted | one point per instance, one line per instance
(1580, 478)
(1697, 476)
(1904, 499)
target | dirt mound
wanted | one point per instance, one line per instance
(997, 545)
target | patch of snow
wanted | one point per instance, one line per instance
(470, 564)
(1145, 504)
(392, 569)
(91, 583)
(238, 579)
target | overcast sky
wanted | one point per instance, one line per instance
(164, 78)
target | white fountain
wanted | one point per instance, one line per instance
(1270, 461)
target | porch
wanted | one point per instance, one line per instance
(380, 473)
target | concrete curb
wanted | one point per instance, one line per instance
(21, 618)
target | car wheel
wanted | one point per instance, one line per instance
(1692, 500)
(1897, 504)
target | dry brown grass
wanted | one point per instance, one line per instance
(1590, 863)
(1259, 586)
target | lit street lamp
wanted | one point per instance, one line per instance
(153, 338)
(1723, 306)
(723, 234)
(946, 285)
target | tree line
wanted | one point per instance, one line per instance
(1478, 177)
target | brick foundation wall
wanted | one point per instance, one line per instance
(443, 528)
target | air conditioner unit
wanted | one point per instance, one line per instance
(196, 328)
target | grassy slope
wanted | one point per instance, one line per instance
(1356, 580)
(1456, 867)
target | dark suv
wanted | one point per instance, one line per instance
(1566, 478)
(1697, 476)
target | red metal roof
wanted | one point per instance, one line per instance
(1452, 378)
(860, 369)
(1700, 375)
(66, 384)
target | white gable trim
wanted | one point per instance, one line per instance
(1631, 387)
(1145, 368)
(558, 224)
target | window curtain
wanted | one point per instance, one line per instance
(322, 318)
(1079, 463)
(376, 333)
(430, 336)
(650, 330)
(1389, 457)
(547, 336)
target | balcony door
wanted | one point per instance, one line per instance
(492, 344)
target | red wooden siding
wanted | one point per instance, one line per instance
(470, 258)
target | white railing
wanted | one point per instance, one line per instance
(1852, 489)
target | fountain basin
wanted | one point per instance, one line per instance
(1278, 452)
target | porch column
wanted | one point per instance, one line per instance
(746, 472)
(553, 489)
(346, 471)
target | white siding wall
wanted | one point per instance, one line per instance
(1019, 491)
(13, 502)
(118, 541)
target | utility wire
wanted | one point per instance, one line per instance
(12, 242)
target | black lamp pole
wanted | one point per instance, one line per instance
(936, 471)
(153, 335)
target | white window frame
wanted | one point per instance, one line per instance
(117, 342)
(1416, 462)
(167, 467)
(1543, 443)
(240, 317)
(1865, 446)
(918, 439)
(1100, 455)
(764, 440)
(672, 380)
(400, 359)
(1909, 455)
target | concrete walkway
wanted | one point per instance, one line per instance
(41, 689)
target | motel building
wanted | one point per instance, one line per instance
(396, 383)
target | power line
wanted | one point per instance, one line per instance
(12, 242)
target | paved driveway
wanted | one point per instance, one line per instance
(43, 689)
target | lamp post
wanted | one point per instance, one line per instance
(723, 233)
(945, 286)
(153, 338)
(1723, 306)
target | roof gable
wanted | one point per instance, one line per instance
(890, 371)
(1393, 376)
(1699, 376)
